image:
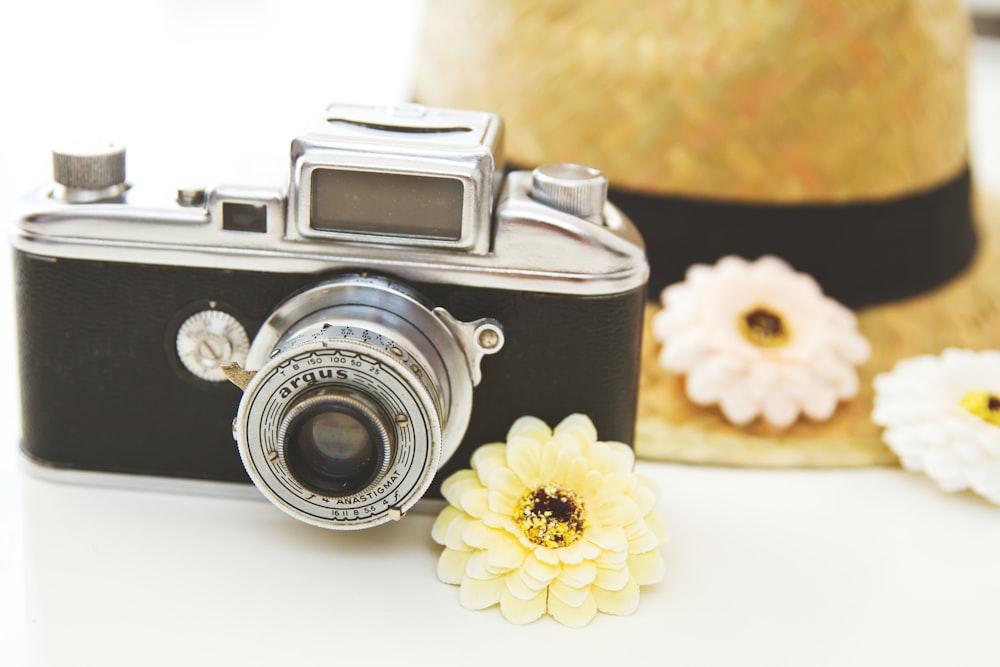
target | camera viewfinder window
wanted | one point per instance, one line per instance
(392, 204)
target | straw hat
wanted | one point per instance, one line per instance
(829, 134)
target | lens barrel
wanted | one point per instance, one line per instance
(362, 390)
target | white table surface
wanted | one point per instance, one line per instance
(870, 567)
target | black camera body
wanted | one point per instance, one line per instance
(405, 300)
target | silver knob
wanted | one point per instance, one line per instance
(571, 188)
(91, 166)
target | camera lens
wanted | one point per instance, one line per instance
(362, 389)
(334, 444)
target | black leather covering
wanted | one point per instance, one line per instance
(102, 388)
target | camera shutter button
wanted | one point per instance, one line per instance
(93, 165)
(572, 188)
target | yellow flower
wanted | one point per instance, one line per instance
(552, 522)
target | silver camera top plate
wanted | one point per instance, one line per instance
(452, 216)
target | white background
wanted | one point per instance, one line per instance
(867, 567)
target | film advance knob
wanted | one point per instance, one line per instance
(571, 188)
(90, 169)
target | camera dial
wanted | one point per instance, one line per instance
(361, 390)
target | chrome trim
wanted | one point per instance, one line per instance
(535, 248)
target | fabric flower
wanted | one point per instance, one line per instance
(551, 522)
(942, 416)
(759, 339)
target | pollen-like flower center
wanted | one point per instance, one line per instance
(984, 405)
(551, 516)
(764, 328)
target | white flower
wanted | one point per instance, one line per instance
(550, 522)
(759, 338)
(942, 416)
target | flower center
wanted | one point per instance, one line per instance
(984, 405)
(551, 516)
(764, 328)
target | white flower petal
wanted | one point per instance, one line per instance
(985, 480)
(820, 403)
(738, 405)
(684, 351)
(780, 410)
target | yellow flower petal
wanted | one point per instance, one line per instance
(557, 455)
(505, 553)
(578, 424)
(532, 582)
(574, 616)
(505, 490)
(612, 578)
(488, 458)
(545, 555)
(475, 502)
(443, 523)
(476, 568)
(520, 588)
(618, 602)
(621, 458)
(476, 594)
(614, 511)
(580, 575)
(529, 427)
(480, 536)
(614, 559)
(489, 554)
(453, 538)
(646, 495)
(524, 457)
(641, 538)
(519, 611)
(608, 538)
(568, 594)
(616, 484)
(451, 565)
(538, 570)
(457, 484)
(658, 526)
(646, 568)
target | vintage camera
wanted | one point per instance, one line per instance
(357, 308)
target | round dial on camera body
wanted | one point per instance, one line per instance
(210, 339)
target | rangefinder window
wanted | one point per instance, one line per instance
(389, 204)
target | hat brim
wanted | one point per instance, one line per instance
(962, 313)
